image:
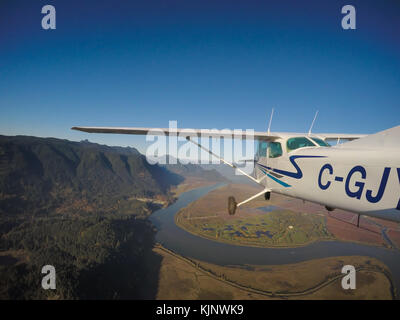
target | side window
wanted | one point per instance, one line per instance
(262, 148)
(300, 142)
(275, 149)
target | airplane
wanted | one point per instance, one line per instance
(361, 175)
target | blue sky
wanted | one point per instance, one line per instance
(206, 64)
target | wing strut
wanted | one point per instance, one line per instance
(232, 204)
(253, 197)
(223, 160)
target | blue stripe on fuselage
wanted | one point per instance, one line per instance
(276, 179)
(296, 175)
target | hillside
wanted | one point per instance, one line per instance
(196, 171)
(45, 175)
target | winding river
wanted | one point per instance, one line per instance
(186, 244)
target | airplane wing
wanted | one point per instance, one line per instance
(339, 136)
(387, 139)
(181, 132)
(258, 135)
(190, 133)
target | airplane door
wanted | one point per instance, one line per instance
(262, 156)
(274, 153)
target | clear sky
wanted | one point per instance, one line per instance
(206, 64)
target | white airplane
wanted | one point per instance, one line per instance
(361, 175)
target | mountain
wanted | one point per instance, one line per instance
(194, 170)
(46, 175)
(51, 176)
(228, 173)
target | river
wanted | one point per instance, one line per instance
(186, 244)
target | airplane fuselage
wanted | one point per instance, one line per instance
(358, 180)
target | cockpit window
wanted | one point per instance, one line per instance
(298, 142)
(275, 149)
(321, 142)
(262, 149)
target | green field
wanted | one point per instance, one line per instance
(276, 228)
